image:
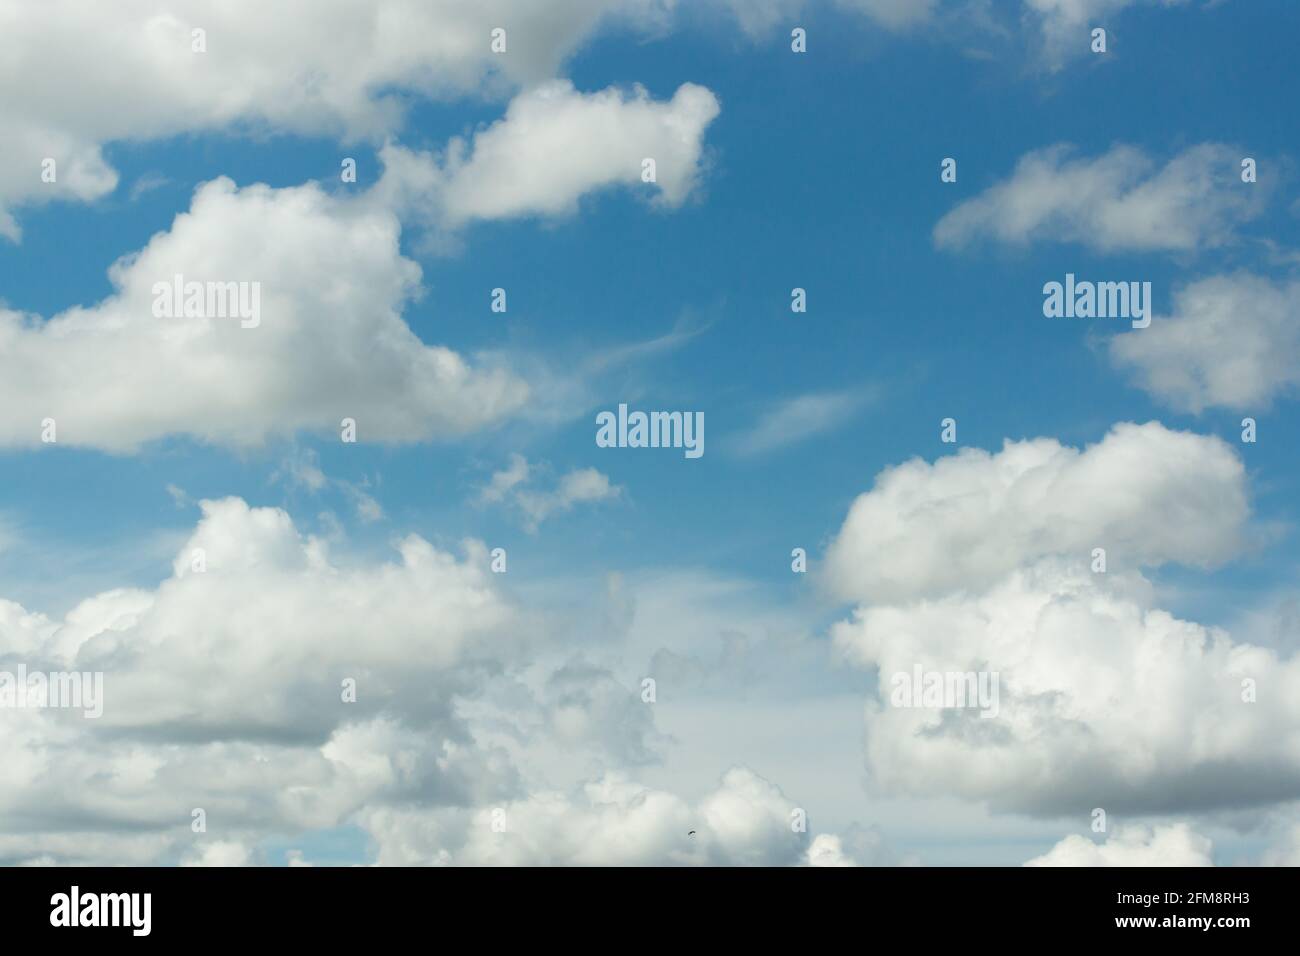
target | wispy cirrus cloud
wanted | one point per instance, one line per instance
(798, 419)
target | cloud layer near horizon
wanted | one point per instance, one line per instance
(224, 691)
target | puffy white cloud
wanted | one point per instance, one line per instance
(1232, 341)
(553, 146)
(264, 635)
(82, 794)
(980, 564)
(329, 344)
(827, 850)
(223, 692)
(79, 170)
(324, 339)
(1167, 845)
(1118, 201)
(967, 520)
(220, 853)
(857, 847)
(1103, 700)
(341, 69)
(256, 631)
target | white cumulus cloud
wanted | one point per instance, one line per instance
(1167, 845)
(226, 690)
(983, 564)
(553, 146)
(1231, 341)
(330, 343)
(966, 520)
(342, 69)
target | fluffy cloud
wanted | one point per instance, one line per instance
(220, 853)
(967, 520)
(330, 344)
(857, 847)
(1119, 201)
(980, 564)
(260, 628)
(342, 69)
(1232, 341)
(828, 850)
(553, 146)
(1170, 845)
(223, 692)
(1104, 700)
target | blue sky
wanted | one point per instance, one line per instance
(820, 171)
